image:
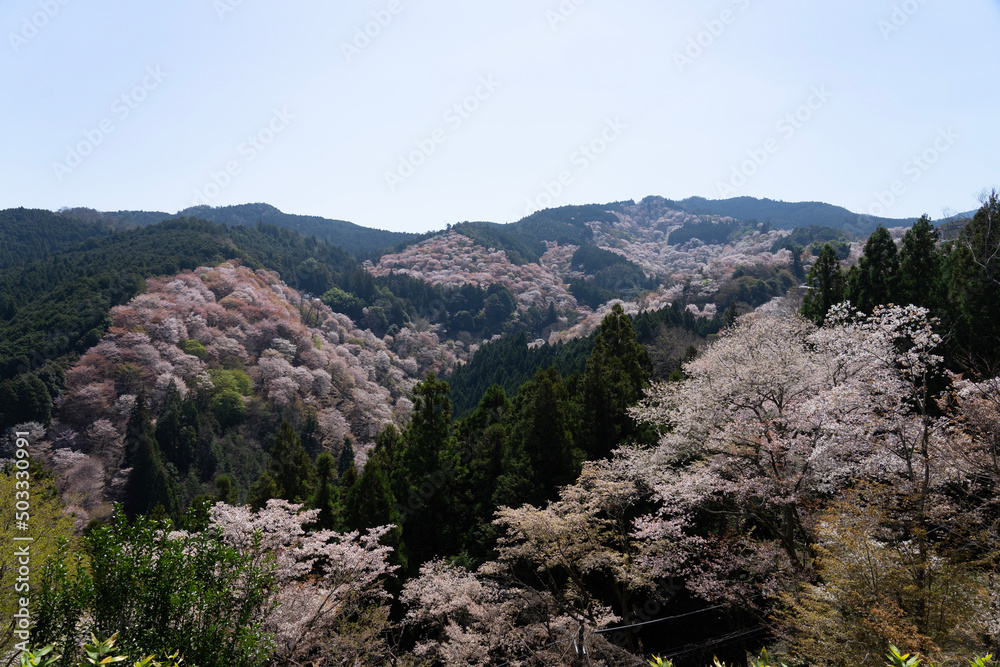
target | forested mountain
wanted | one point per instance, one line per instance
(53, 305)
(791, 215)
(522, 240)
(29, 234)
(622, 427)
(349, 236)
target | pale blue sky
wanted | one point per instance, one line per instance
(609, 73)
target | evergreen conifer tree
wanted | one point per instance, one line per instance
(617, 371)
(919, 278)
(346, 458)
(825, 286)
(177, 428)
(871, 282)
(327, 496)
(149, 485)
(290, 465)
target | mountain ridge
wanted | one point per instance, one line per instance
(363, 240)
(352, 237)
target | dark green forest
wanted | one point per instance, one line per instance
(353, 238)
(956, 280)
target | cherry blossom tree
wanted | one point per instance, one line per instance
(462, 618)
(330, 599)
(586, 534)
(778, 415)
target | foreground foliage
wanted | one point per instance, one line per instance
(254, 588)
(98, 653)
(152, 588)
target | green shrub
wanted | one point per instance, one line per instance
(193, 347)
(148, 588)
(233, 379)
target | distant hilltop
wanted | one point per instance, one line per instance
(360, 239)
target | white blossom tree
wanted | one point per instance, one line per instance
(329, 587)
(773, 419)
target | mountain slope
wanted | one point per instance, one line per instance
(790, 215)
(30, 234)
(59, 303)
(250, 352)
(347, 235)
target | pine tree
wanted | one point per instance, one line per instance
(826, 284)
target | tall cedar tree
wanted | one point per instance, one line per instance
(826, 284)
(345, 459)
(264, 489)
(177, 428)
(974, 265)
(290, 465)
(617, 371)
(423, 469)
(482, 438)
(542, 428)
(919, 280)
(327, 496)
(370, 502)
(871, 282)
(150, 488)
(311, 435)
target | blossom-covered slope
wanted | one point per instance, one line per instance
(640, 234)
(248, 342)
(453, 259)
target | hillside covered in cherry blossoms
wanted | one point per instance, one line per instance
(617, 431)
